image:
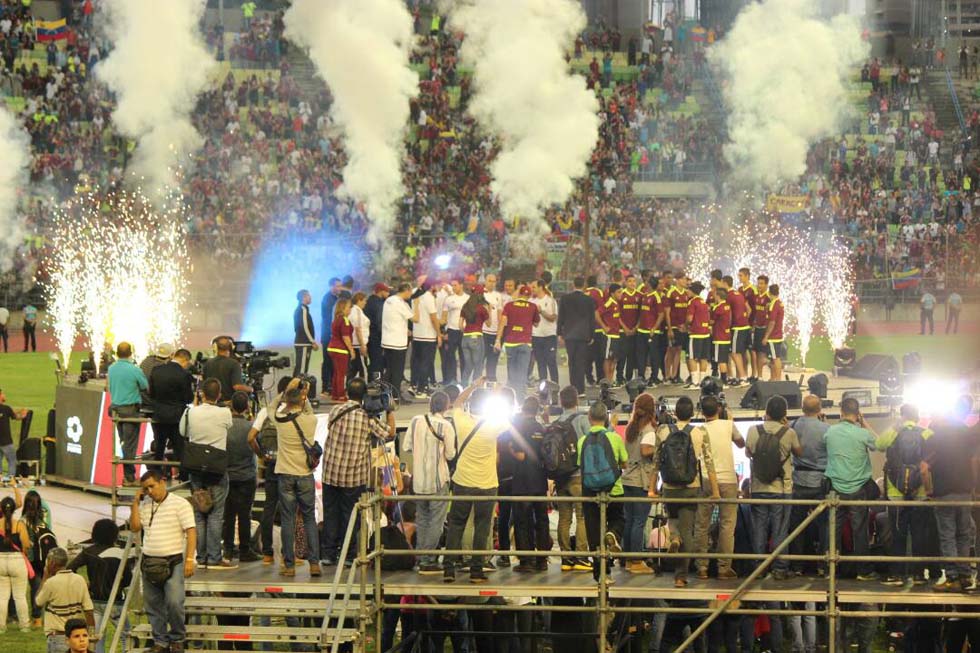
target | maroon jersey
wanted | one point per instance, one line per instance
(677, 302)
(739, 309)
(749, 292)
(721, 323)
(698, 314)
(476, 326)
(629, 308)
(598, 299)
(776, 311)
(521, 316)
(611, 317)
(760, 310)
(650, 312)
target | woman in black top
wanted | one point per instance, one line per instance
(13, 566)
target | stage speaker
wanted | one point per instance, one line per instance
(818, 385)
(758, 395)
(29, 449)
(844, 358)
(912, 364)
(863, 397)
(872, 367)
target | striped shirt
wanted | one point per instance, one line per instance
(64, 596)
(347, 454)
(431, 451)
(164, 524)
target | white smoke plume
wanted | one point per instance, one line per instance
(544, 116)
(157, 68)
(787, 72)
(15, 158)
(361, 49)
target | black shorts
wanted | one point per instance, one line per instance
(680, 338)
(776, 350)
(614, 348)
(720, 351)
(741, 340)
(758, 334)
(698, 349)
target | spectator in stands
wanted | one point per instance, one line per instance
(170, 538)
(475, 475)
(431, 439)
(682, 515)
(207, 423)
(241, 483)
(598, 427)
(722, 434)
(14, 544)
(101, 560)
(126, 382)
(849, 473)
(63, 595)
(951, 457)
(808, 477)
(530, 518)
(347, 467)
(295, 429)
(572, 487)
(641, 443)
(171, 390)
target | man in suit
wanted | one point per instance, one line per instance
(576, 324)
(171, 390)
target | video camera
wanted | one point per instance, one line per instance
(379, 398)
(256, 363)
(606, 396)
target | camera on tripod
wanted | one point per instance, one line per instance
(256, 363)
(379, 398)
(606, 395)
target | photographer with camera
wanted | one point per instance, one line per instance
(297, 459)
(226, 369)
(207, 423)
(126, 381)
(171, 391)
(347, 465)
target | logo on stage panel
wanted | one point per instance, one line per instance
(74, 430)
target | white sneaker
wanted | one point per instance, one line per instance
(941, 581)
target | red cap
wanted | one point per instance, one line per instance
(525, 291)
(478, 289)
(380, 287)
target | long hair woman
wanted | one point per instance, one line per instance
(35, 518)
(340, 349)
(472, 316)
(14, 541)
(641, 443)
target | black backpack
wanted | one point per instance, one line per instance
(902, 461)
(767, 457)
(559, 449)
(677, 460)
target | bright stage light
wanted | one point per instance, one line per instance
(934, 397)
(497, 409)
(442, 261)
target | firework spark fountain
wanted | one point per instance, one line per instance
(119, 278)
(836, 292)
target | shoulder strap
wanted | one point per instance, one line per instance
(428, 423)
(689, 429)
(466, 440)
(349, 409)
(781, 432)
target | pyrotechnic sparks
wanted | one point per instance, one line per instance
(836, 292)
(119, 276)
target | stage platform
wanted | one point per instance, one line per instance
(554, 583)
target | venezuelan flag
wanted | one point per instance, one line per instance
(51, 30)
(907, 279)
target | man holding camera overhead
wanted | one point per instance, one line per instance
(347, 466)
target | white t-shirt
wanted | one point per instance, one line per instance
(4, 316)
(495, 305)
(207, 424)
(722, 433)
(394, 323)
(361, 324)
(164, 524)
(452, 305)
(424, 331)
(544, 328)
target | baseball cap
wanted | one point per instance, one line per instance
(525, 291)
(165, 350)
(380, 287)
(478, 289)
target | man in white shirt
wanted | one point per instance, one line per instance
(722, 434)
(394, 333)
(544, 335)
(208, 424)
(452, 349)
(431, 439)
(494, 306)
(426, 339)
(4, 318)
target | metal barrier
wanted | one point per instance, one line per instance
(730, 605)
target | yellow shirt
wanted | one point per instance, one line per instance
(477, 467)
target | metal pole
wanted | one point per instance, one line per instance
(602, 590)
(133, 588)
(361, 563)
(117, 581)
(750, 579)
(378, 599)
(832, 575)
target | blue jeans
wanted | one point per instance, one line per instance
(769, 526)
(98, 611)
(472, 358)
(339, 505)
(9, 452)
(518, 362)
(165, 608)
(293, 491)
(635, 516)
(430, 517)
(209, 526)
(956, 534)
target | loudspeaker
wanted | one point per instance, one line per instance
(758, 395)
(29, 449)
(872, 367)
(25, 429)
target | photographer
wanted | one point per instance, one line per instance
(225, 368)
(207, 423)
(241, 483)
(808, 474)
(171, 391)
(295, 429)
(530, 519)
(347, 466)
(126, 381)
